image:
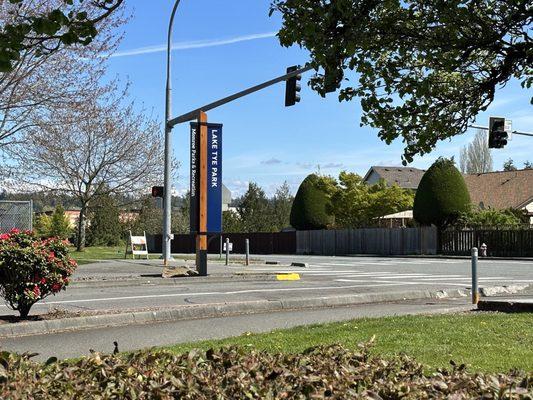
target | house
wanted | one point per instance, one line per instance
(404, 177)
(496, 190)
(502, 189)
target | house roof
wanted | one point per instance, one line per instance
(501, 189)
(404, 177)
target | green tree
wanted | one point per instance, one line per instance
(254, 210)
(489, 218)
(356, 204)
(423, 69)
(60, 224)
(61, 23)
(231, 222)
(281, 207)
(442, 195)
(528, 165)
(509, 165)
(105, 228)
(309, 209)
(42, 225)
(150, 218)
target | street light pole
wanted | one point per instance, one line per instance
(167, 201)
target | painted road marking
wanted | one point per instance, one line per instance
(155, 296)
(288, 277)
(405, 283)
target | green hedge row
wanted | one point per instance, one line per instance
(241, 373)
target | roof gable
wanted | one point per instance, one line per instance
(404, 177)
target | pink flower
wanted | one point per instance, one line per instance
(56, 287)
(36, 291)
(43, 281)
(73, 262)
(4, 236)
(15, 231)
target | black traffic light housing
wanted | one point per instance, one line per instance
(293, 87)
(158, 191)
(497, 134)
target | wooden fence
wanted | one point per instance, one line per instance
(381, 241)
(260, 243)
(500, 243)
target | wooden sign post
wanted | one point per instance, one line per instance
(201, 236)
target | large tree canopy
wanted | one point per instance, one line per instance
(425, 68)
(63, 22)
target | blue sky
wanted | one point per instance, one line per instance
(226, 46)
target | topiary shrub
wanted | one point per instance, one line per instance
(32, 269)
(308, 210)
(441, 196)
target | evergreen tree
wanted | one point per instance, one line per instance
(308, 210)
(442, 195)
(42, 225)
(281, 207)
(60, 224)
(254, 210)
(150, 218)
(105, 228)
(509, 165)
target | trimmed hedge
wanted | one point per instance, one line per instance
(240, 373)
(442, 195)
(308, 210)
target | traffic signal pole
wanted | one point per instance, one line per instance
(167, 199)
(513, 132)
(192, 115)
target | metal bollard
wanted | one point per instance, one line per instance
(227, 251)
(221, 240)
(475, 289)
(247, 244)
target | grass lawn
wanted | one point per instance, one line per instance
(91, 254)
(98, 253)
(488, 342)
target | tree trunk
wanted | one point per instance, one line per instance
(24, 310)
(82, 222)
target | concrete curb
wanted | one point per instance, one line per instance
(507, 306)
(217, 310)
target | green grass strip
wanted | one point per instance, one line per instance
(487, 342)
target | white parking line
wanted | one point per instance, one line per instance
(406, 283)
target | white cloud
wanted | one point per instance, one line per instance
(195, 44)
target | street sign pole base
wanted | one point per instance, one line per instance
(201, 263)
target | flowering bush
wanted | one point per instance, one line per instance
(32, 269)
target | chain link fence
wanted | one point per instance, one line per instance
(16, 214)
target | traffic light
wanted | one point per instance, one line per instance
(293, 87)
(158, 191)
(497, 134)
